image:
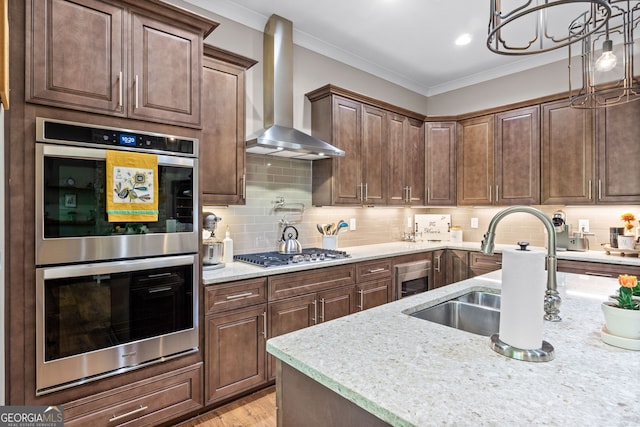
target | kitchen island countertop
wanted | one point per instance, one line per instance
(240, 270)
(411, 372)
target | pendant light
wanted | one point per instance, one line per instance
(605, 64)
(524, 27)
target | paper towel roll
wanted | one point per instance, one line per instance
(522, 307)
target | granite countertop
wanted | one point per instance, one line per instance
(239, 270)
(411, 372)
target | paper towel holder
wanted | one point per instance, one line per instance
(542, 354)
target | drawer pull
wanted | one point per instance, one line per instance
(594, 273)
(499, 262)
(135, 411)
(376, 270)
(236, 296)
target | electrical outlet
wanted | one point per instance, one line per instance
(583, 225)
(474, 222)
(352, 224)
(409, 222)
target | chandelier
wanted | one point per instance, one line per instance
(606, 60)
(524, 27)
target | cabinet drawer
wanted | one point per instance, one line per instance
(305, 282)
(232, 295)
(597, 268)
(486, 262)
(378, 269)
(145, 403)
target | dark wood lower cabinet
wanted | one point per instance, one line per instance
(480, 263)
(235, 349)
(373, 294)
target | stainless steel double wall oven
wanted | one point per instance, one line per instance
(111, 296)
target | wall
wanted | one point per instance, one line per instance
(256, 226)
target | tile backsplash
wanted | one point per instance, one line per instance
(279, 189)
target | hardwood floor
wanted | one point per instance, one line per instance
(256, 410)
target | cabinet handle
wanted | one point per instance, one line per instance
(136, 92)
(361, 192)
(120, 89)
(376, 270)
(135, 411)
(315, 312)
(599, 190)
(590, 190)
(366, 191)
(595, 273)
(236, 296)
(490, 190)
(497, 197)
(322, 310)
(410, 195)
(499, 262)
(361, 306)
(264, 324)
(438, 264)
(428, 194)
(244, 186)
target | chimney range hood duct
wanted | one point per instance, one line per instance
(279, 138)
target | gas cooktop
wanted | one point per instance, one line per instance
(273, 259)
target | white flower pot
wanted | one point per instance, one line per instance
(621, 322)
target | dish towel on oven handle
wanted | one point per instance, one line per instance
(132, 186)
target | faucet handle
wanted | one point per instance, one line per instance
(523, 246)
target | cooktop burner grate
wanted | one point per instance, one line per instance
(273, 259)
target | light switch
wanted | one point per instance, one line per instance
(474, 222)
(352, 224)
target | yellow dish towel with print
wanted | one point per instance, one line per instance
(132, 186)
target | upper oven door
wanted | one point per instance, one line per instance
(71, 219)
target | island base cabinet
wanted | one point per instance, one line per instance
(236, 352)
(301, 401)
(149, 402)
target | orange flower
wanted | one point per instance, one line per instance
(628, 217)
(627, 281)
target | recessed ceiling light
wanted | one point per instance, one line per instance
(463, 39)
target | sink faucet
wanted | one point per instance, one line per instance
(551, 297)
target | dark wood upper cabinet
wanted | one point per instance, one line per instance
(126, 59)
(617, 130)
(517, 157)
(475, 161)
(374, 149)
(406, 161)
(222, 145)
(567, 154)
(440, 160)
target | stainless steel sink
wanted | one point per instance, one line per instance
(475, 312)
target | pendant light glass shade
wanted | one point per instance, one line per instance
(524, 27)
(604, 65)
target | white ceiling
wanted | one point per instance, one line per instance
(408, 42)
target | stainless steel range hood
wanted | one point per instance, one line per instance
(279, 138)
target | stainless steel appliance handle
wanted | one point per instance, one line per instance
(322, 310)
(135, 411)
(158, 289)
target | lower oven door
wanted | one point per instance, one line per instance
(95, 320)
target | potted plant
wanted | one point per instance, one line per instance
(622, 311)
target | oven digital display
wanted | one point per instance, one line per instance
(128, 140)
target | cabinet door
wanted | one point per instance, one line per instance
(475, 165)
(76, 55)
(397, 187)
(567, 154)
(165, 72)
(373, 294)
(375, 160)
(235, 352)
(222, 145)
(336, 303)
(347, 122)
(517, 157)
(618, 128)
(290, 315)
(414, 161)
(439, 273)
(440, 160)
(480, 263)
(457, 265)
